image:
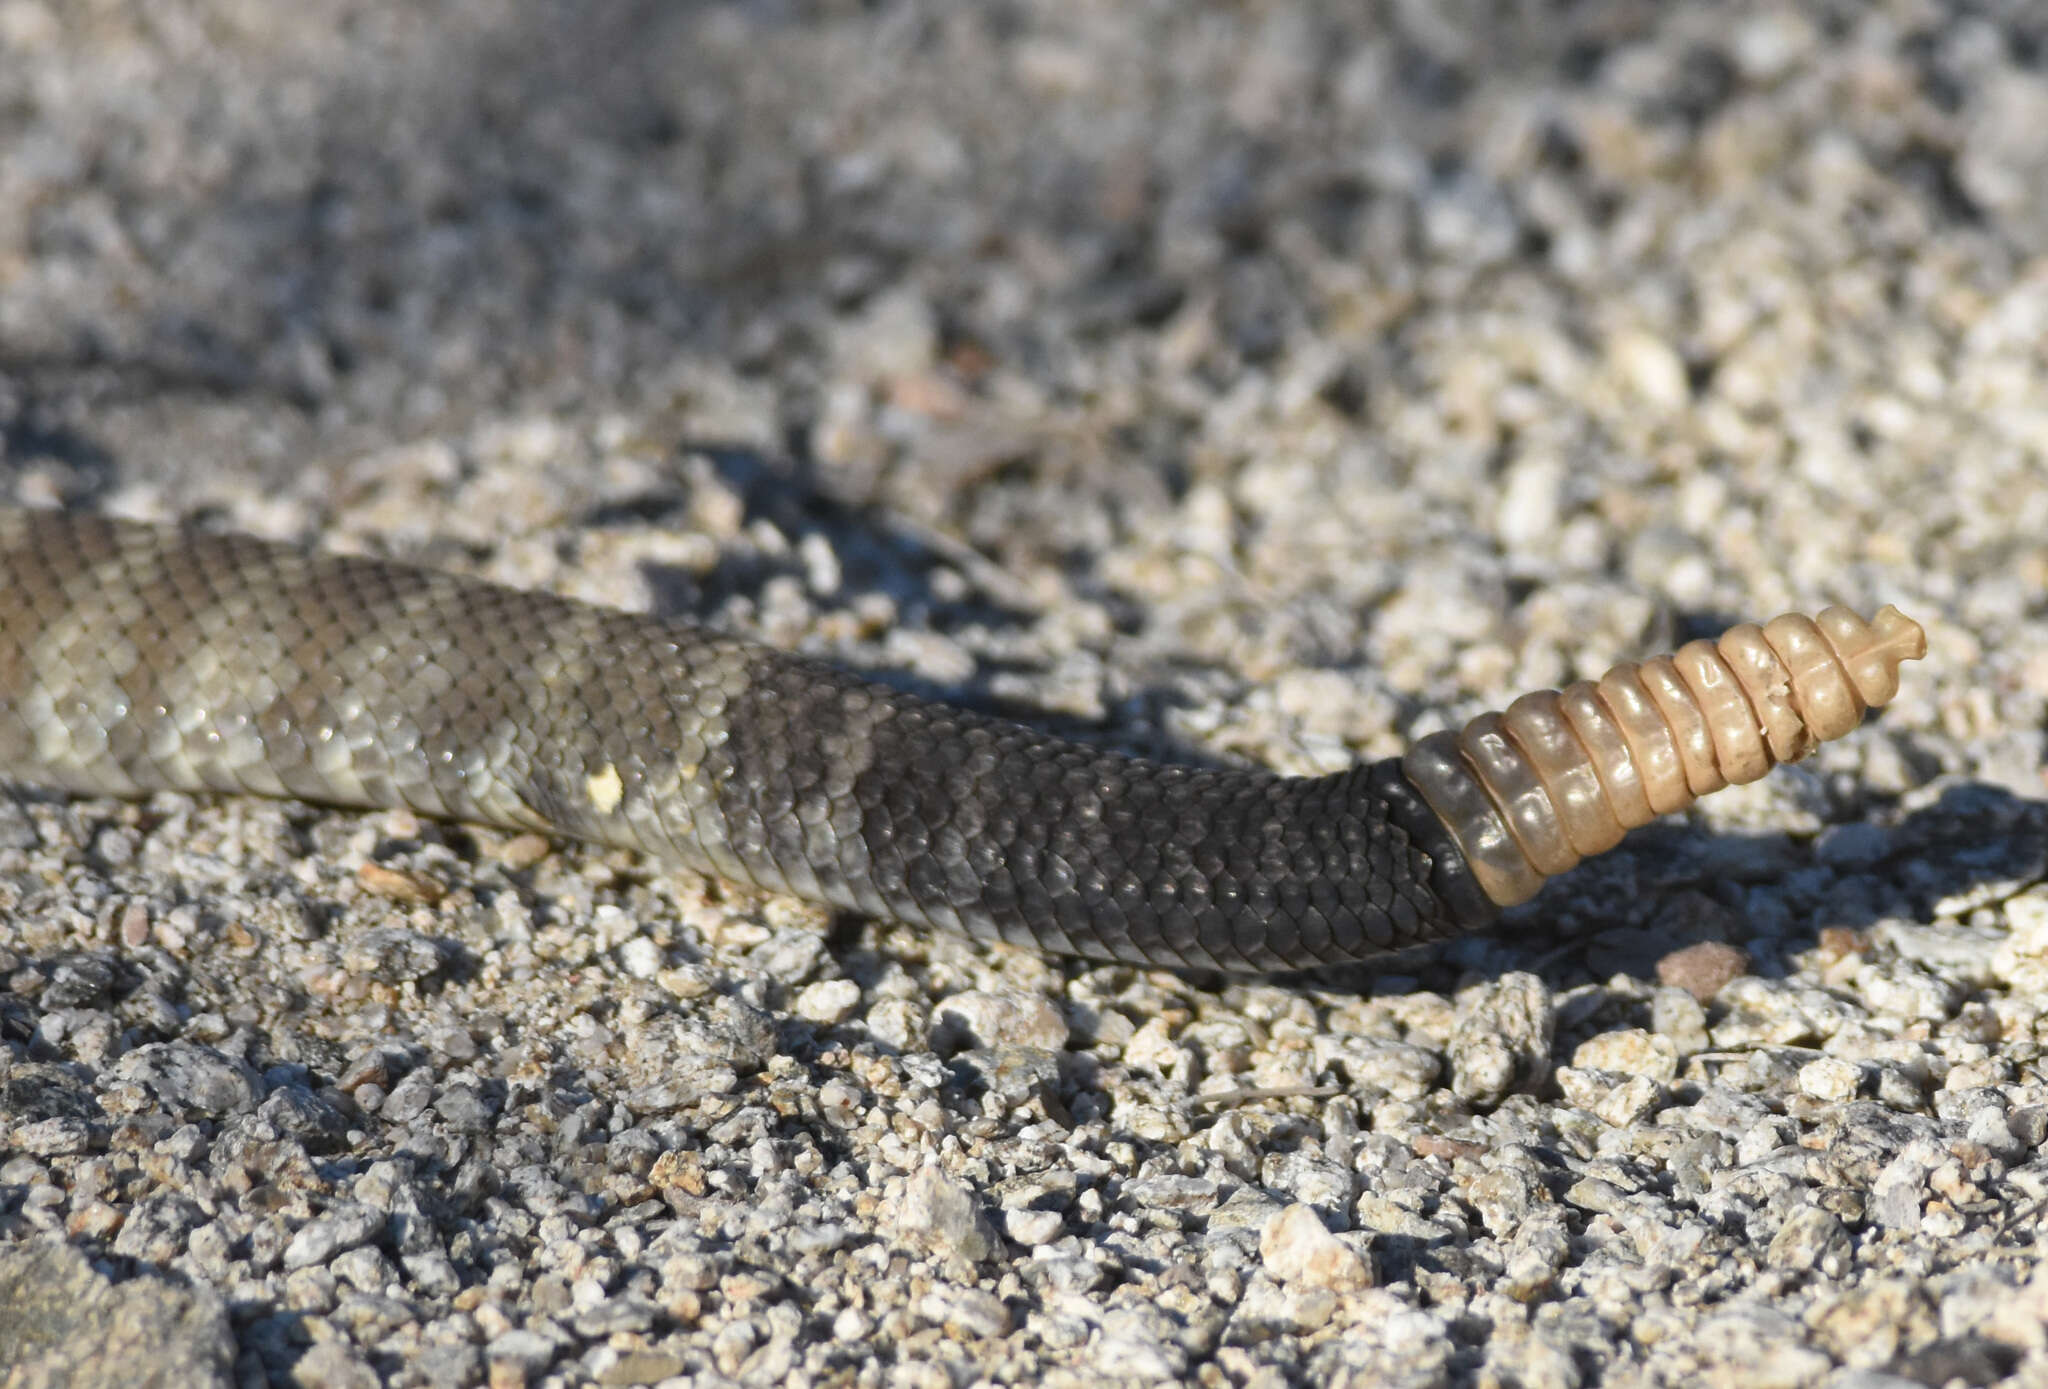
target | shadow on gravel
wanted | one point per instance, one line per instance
(1772, 896)
(375, 216)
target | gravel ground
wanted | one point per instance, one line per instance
(1259, 381)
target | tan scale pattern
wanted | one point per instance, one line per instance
(140, 658)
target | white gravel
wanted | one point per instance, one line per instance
(1267, 382)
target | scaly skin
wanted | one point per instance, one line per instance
(139, 658)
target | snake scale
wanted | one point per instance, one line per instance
(136, 658)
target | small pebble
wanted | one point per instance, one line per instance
(1296, 1248)
(1703, 970)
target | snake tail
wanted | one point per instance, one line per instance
(1560, 774)
(138, 658)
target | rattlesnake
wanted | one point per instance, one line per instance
(136, 658)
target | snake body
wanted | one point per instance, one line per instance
(137, 658)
